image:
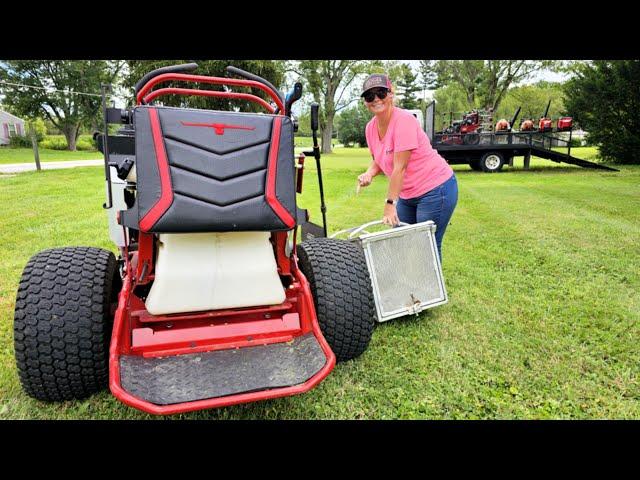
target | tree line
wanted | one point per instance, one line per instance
(600, 95)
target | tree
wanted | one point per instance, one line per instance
(604, 97)
(351, 125)
(328, 81)
(428, 74)
(533, 100)
(67, 94)
(451, 101)
(273, 71)
(485, 82)
(406, 88)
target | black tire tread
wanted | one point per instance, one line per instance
(62, 322)
(341, 287)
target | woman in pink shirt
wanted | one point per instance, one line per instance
(422, 185)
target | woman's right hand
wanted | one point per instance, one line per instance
(365, 179)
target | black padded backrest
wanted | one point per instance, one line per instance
(211, 171)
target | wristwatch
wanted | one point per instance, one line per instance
(392, 202)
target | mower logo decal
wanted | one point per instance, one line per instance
(218, 127)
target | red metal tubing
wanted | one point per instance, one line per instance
(212, 80)
(208, 93)
(116, 350)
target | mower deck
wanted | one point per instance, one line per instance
(199, 376)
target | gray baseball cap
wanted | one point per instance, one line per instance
(375, 80)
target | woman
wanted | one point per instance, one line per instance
(422, 185)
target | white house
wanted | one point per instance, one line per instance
(10, 125)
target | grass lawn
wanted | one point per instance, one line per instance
(541, 266)
(25, 155)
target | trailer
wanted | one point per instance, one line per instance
(487, 150)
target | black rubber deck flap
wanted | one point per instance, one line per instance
(198, 376)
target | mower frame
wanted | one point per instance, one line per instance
(138, 332)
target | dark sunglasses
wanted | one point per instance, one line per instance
(381, 93)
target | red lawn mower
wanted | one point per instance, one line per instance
(210, 302)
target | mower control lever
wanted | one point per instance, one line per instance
(185, 67)
(292, 96)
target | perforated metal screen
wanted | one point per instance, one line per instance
(405, 270)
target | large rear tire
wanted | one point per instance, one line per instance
(341, 287)
(63, 320)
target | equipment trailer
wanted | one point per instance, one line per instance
(490, 151)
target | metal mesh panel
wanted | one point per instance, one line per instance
(405, 272)
(428, 120)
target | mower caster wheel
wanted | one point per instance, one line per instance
(341, 287)
(62, 322)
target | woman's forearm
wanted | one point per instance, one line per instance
(373, 169)
(395, 183)
(400, 162)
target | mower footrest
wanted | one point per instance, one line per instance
(199, 376)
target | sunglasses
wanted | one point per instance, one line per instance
(381, 93)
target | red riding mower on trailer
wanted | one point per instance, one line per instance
(465, 131)
(210, 302)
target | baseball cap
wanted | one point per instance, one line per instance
(375, 80)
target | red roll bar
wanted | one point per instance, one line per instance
(208, 93)
(142, 94)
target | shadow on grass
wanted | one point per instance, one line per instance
(536, 169)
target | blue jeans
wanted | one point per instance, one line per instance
(436, 205)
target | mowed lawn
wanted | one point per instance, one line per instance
(541, 268)
(25, 155)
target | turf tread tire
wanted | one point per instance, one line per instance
(342, 292)
(62, 322)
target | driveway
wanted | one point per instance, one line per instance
(26, 167)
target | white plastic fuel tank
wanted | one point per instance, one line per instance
(211, 271)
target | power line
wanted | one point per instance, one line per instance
(51, 89)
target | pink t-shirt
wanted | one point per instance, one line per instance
(426, 168)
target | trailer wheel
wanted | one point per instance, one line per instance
(492, 162)
(63, 320)
(341, 286)
(475, 165)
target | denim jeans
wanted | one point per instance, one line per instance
(436, 205)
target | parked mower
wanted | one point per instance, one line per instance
(210, 301)
(465, 131)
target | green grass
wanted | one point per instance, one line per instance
(25, 155)
(541, 268)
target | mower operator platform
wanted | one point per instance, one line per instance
(198, 376)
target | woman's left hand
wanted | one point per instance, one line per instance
(390, 215)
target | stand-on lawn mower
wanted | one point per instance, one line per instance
(210, 301)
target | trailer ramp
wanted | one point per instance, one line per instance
(560, 157)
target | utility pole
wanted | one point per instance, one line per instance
(34, 143)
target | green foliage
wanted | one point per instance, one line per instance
(327, 81)
(450, 103)
(406, 88)
(39, 126)
(485, 82)
(19, 141)
(270, 70)
(63, 100)
(533, 99)
(351, 125)
(58, 142)
(604, 98)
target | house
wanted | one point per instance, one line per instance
(10, 125)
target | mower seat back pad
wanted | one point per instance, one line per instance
(212, 171)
